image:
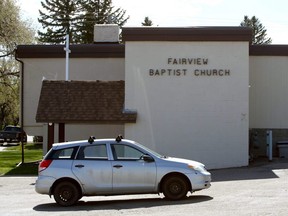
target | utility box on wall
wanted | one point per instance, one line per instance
(283, 149)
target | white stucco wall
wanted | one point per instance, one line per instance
(269, 92)
(196, 117)
(106, 69)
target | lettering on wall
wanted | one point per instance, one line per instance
(198, 67)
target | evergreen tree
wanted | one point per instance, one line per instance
(59, 21)
(147, 22)
(259, 33)
(97, 12)
(76, 18)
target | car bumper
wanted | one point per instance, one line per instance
(200, 180)
(43, 184)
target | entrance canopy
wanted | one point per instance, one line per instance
(83, 102)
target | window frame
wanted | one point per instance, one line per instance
(123, 158)
(82, 157)
(54, 151)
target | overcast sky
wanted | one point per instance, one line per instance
(271, 13)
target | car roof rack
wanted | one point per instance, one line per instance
(119, 138)
(91, 139)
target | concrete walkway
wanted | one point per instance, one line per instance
(7, 145)
(2, 148)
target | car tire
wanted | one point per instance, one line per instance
(175, 188)
(66, 193)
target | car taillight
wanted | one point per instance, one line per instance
(44, 164)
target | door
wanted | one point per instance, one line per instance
(93, 169)
(131, 174)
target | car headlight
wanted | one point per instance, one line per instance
(197, 168)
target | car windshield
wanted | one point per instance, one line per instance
(149, 150)
(13, 129)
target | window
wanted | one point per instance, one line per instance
(13, 129)
(93, 152)
(124, 152)
(67, 153)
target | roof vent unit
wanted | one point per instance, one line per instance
(106, 33)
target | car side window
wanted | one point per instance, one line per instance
(93, 152)
(125, 152)
(63, 154)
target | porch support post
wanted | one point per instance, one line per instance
(50, 135)
(61, 132)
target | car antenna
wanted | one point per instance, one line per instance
(119, 138)
(91, 139)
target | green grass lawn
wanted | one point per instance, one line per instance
(12, 156)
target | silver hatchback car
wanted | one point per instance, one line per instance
(115, 167)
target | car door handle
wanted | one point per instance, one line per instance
(118, 166)
(79, 165)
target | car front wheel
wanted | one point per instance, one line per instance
(175, 188)
(66, 193)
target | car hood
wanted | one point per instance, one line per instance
(184, 161)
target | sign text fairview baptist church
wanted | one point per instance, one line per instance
(180, 62)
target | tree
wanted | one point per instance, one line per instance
(147, 22)
(259, 33)
(12, 28)
(98, 12)
(13, 31)
(9, 93)
(59, 20)
(76, 18)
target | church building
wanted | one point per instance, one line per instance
(190, 92)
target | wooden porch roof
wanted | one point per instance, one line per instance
(83, 102)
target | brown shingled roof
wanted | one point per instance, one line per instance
(83, 101)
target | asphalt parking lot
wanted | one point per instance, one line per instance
(260, 189)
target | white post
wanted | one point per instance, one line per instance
(67, 57)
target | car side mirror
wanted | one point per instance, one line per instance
(147, 158)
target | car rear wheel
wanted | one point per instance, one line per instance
(66, 193)
(175, 188)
